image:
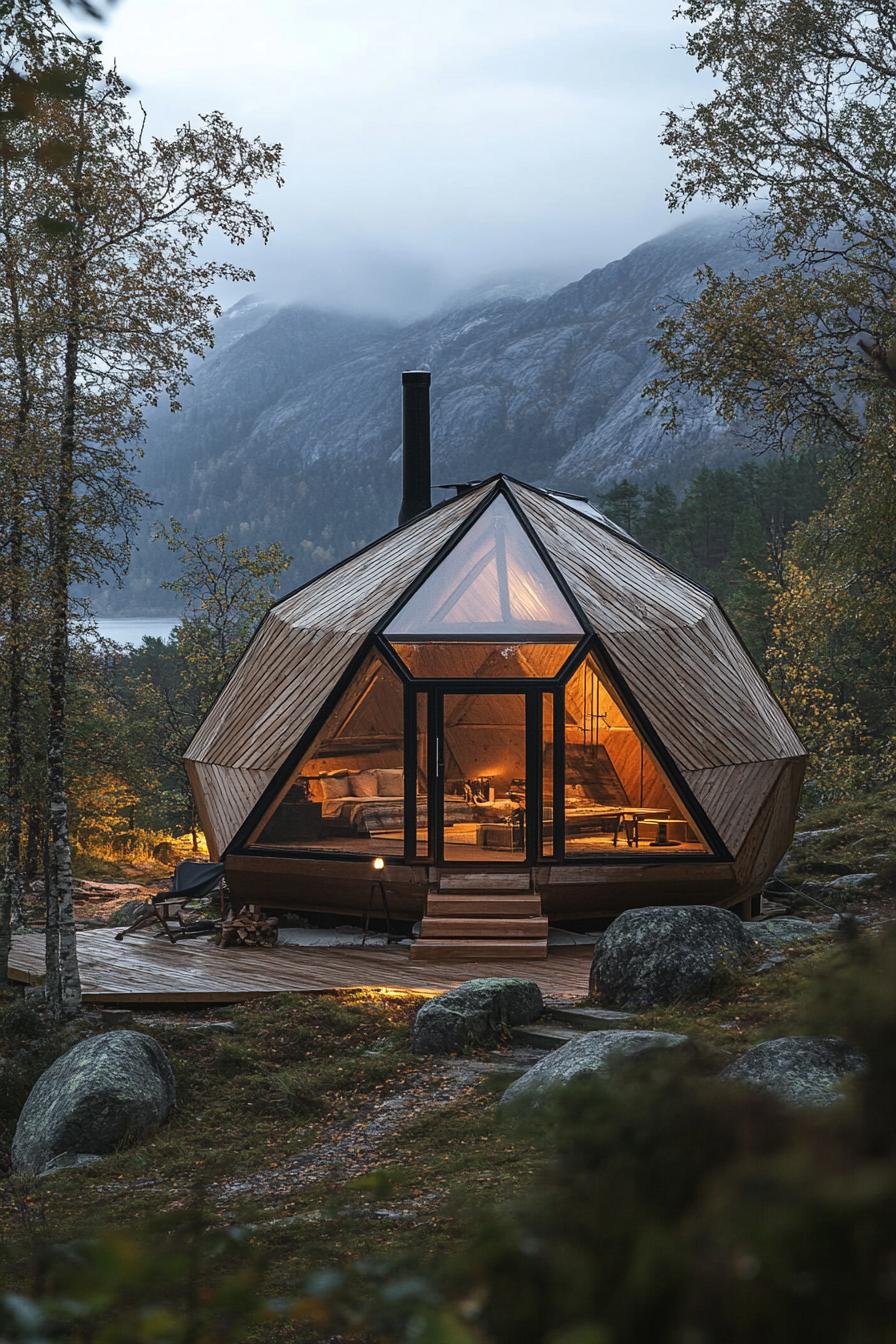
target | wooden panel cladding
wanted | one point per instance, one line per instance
(602, 892)
(273, 695)
(579, 891)
(619, 587)
(224, 798)
(772, 831)
(323, 885)
(301, 868)
(729, 653)
(206, 820)
(703, 696)
(681, 668)
(675, 873)
(732, 796)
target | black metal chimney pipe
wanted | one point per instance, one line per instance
(416, 479)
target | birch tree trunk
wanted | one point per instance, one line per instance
(13, 885)
(64, 996)
(109, 230)
(12, 888)
(52, 979)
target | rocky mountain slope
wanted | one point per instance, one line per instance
(292, 428)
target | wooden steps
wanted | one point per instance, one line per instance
(481, 916)
(483, 903)
(481, 926)
(485, 881)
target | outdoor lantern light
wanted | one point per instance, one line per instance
(377, 886)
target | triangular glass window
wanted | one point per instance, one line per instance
(347, 793)
(617, 798)
(492, 583)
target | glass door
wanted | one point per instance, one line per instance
(484, 777)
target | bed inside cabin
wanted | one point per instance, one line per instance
(347, 795)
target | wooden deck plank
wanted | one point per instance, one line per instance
(143, 969)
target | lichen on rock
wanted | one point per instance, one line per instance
(104, 1092)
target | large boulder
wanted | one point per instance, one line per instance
(474, 1013)
(592, 1052)
(106, 1091)
(799, 1070)
(663, 954)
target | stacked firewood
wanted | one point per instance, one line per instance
(249, 928)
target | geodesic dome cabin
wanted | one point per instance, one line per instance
(506, 695)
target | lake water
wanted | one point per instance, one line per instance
(132, 629)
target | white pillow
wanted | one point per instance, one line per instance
(391, 783)
(365, 783)
(335, 786)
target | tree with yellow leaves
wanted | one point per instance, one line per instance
(110, 276)
(800, 132)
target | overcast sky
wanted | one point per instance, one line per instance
(429, 144)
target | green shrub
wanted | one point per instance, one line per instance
(298, 1090)
(20, 1021)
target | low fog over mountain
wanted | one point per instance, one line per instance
(292, 429)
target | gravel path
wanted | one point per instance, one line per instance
(362, 1144)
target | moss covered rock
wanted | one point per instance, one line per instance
(474, 1013)
(102, 1093)
(666, 954)
(799, 1070)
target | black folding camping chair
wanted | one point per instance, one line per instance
(192, 881)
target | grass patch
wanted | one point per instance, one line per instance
(301, 1076)
(244, 1100)
(853, 836)
(298, 1071)
(750, 1008)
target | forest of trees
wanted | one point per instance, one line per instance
(108, 291)
(654, 1205)
(728, 530)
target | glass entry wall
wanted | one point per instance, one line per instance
(347, 794)
(616, 798)
(483, 774)
(479, 771)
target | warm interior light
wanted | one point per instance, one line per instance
(379, 863)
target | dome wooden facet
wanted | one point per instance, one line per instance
(666, 639)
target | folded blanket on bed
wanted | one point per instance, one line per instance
(360, 816)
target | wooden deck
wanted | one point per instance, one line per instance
(143, 969)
